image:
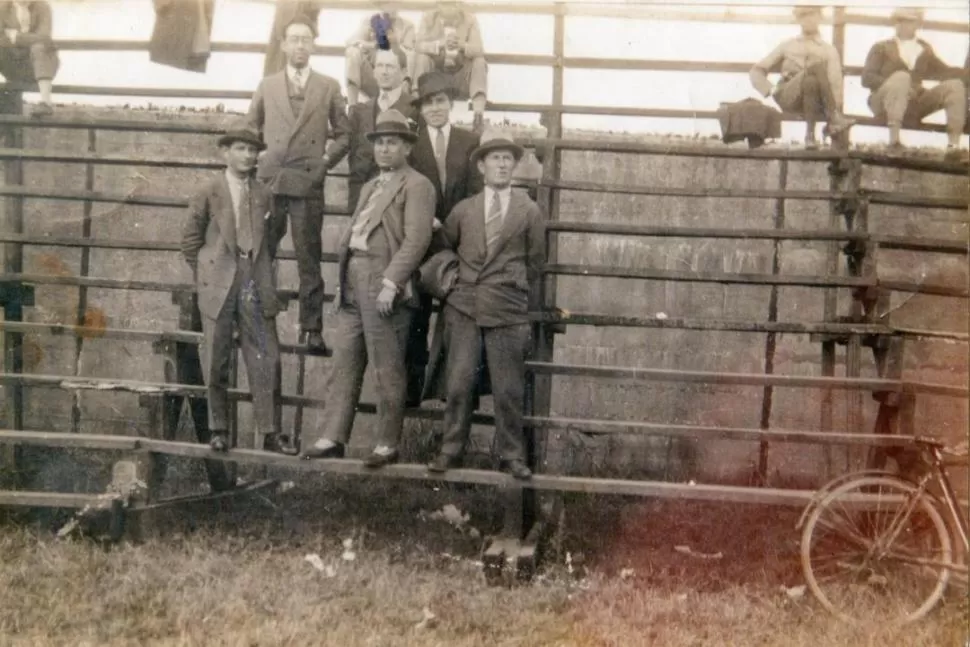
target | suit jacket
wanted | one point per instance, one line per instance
(431, 32)
(462, 177)
(884, 60)
(173, 39)
(494, 287)
(41, 23)
(407, 210)
(286, 12)
(293, 161)
(209, 245)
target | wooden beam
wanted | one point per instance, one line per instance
(21, 498)
(77, 441)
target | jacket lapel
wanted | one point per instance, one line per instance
(453, 159)
(388, 192)
(276, 88)
(510, 225)
(224, 214)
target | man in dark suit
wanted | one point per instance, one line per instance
(894, 73)
(27, 53)
(442, 154)
(498, 236)
(229, 240)
(297, 111)
(389, 70)
(379, 255)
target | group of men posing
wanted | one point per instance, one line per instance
(434, 216)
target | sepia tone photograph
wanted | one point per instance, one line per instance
(508, 323)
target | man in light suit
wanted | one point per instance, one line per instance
(297, 110)
(379, 257)
(230, 240)
(442, 154)
(389, 74)
(498, 236)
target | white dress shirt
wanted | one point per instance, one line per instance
(298, 76)
(235, 192)
(909, 51)
(433, 134)
(504, 195)
(392, 97)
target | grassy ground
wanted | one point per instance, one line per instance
(239, 577)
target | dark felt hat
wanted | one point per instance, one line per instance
(392, 122)
(432, 83)
(495, 142)
(242, 135)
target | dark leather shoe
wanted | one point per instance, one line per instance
(277, 443)
(517, 469)
(219, 442)
(415, 387)
(337, 451)
(314, 342)
(375, 460)
(443, 462)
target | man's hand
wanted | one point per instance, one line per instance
(385, 300)
(451, 41)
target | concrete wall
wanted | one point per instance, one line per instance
(578, 397)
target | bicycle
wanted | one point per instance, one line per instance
(879, 546)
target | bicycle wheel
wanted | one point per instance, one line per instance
(875, 550)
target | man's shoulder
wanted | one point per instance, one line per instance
(521, 196)
(210, 187)
(467, 204)
(328, 81)
(466, 137)
(416, 178)
(883, 44)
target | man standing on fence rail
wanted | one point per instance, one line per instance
(297, 111)
(27, 53)
(379, 256)
(894, 72)
(499, 239)
(811, 78)
(230, 240)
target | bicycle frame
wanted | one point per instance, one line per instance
(950, 498)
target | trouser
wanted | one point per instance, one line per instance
(260, 348)
(892, 102)
(363, 336)
(808, 93)
(306, 222)
(416, 358)
(38, 62)
(469, 80)
(506, 349)
(359, 68)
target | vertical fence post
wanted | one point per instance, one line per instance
(856, 214)
(82, 297)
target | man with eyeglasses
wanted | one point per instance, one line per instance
(297, 110)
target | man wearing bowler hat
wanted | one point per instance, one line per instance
(894, 73)
(811, 77)
(378, 259)
(230, 239)
(498, 236)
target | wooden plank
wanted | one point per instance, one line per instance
(706, 277)
(688, 192)
(120, 284)
(58, 439)
(206, 497)
(906, 200)
(21, 498)
(82, 299)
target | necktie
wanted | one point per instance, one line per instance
(244, 224)
(364, 225)
(440, 148)
(493, 222)
(298, 80)
(384, 102)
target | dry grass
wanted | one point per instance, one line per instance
(240, 578)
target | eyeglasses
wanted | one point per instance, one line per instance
(299, 40)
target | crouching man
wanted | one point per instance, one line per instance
(230, 240)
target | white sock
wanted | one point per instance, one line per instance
(383, 450)
(324, 443)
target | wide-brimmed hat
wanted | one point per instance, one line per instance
(432, 83)
(392, 122)
(902, 14)
(242, 135)
(495, 141)
(805, 10)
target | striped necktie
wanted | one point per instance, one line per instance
(440, 150)
(244, 224)
(493, 222)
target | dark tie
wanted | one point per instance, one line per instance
(244, 227)
(384, 102)
(439, 155)
(493, 222)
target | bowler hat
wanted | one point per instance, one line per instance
(906, 14)
(494, 141)
(392, 122)
(242, 135)
(804, 10)
(432, 83)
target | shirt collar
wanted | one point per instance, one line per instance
(292, 71)
(233, 179)
(815, 38)
(503, 194)
(393, 95)
(446, 130)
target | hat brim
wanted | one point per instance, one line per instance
(406, 136)
(419, 100)
(483, 150)
(229, 140)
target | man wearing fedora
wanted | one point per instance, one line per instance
(442, 154)
(498, 237)
(894, 73)
(811, 77)
(389, 69)
(230, 239)
(297, 111)
(378, 258)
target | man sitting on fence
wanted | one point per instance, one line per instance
(450, 41)
(230, 240)
(811, 77)
(382, 31)
(894, 72)
(27, 53)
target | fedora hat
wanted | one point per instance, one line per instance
(241, 135)
(432, 83)
(495, 141)
(392, 122)
(902, 14)
(805, 10)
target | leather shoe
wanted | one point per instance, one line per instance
(517, 469)
(314, 342)
(277, 444)
(375, 460)
(443, 462)
(415, 386)
(336, 451)
(219, 442)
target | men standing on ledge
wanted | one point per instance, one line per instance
(230, 240)
(379, 256)
(381, 31)
(27, 53)
(811, 77)
(894, 72)
(297, 111)
(498, 236)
